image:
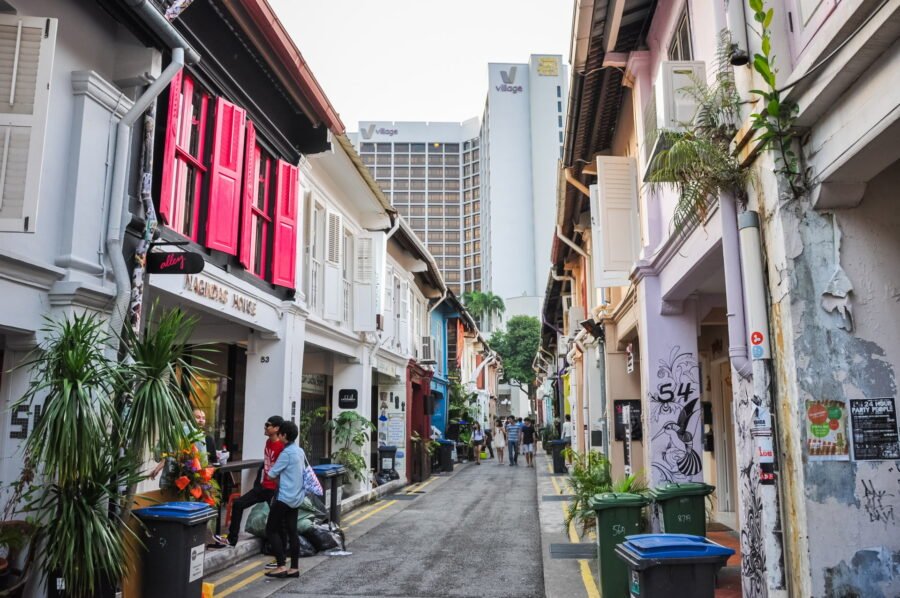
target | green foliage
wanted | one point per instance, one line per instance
(307, 420)
(775, 122)
(461, 403)
(590, 475)
(99, 418)
(698, 160)
(482, 305)
(517, 346)
(351, 430)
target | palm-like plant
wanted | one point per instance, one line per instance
(100, 418)
(698, 160)
(482, 305)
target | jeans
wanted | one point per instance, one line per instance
(283, 518)
(513, 446)
(256, 495)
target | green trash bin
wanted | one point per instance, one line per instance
(618, 515)
(682, 507)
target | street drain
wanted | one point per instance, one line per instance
(587, 550)
(556, 497)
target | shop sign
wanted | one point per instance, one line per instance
(630, 426)
(174, 262)
(629, 359)
(348, 398)
(221, 294)
(313, 384)
(875, 434)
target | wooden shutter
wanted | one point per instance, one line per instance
(615, 235)
(224, 208)
(364, 283)
(251, 176)
(173, 125)
(284, 254)
(334, 236)
(26, 64)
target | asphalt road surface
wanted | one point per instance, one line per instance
(477, 535)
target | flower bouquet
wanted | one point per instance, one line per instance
(192, 474)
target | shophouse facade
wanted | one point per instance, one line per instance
(682, 321)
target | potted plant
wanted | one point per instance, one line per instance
(351, 433)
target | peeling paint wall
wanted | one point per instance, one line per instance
(835, 281)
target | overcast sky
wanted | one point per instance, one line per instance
(420, 60)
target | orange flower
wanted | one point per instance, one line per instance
(195, 464)
(207, 473)
(209, 500)
(196, 492)
(182, 482)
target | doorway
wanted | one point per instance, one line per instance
(726, 461)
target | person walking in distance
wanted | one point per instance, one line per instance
(566, 433)
(488, 441)
(499, 440)
(477, 441)
(528, 442)
(513, 437)
(264, 488)
(282, 521)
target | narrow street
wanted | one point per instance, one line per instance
(473, 533)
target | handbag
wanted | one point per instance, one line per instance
(311, 480)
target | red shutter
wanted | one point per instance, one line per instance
(251, 161)
(167, 183)
(285, 246)
(225, 178)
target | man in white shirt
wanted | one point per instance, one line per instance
(566, 432)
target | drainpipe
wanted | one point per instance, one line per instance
(570, 242)
(163, 28)
(734, 289)
(441, 300)
(118, 215)
(481, 366)
(394, 226)
(754, 283)
(570, 178)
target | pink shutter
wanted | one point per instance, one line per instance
(251, 161)
(167, 183)
(225, 178)
(285, 246)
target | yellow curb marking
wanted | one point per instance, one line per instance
(239, 572)
(366, 516)
(587, 576)
(241, 584)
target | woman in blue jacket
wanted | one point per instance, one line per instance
(288, 471)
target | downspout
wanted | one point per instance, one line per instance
(570, 242)
(570, 178)
(734, 289)
(118, 214)
(395, 225)
(439, 301)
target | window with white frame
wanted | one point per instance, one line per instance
(316, 256)
(680, 45)
(26, 57)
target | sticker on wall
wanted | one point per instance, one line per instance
(826, 431)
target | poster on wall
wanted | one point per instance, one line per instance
(875, 434)
(826, 430)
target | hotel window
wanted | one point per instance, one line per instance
(436, 210)
(680, 46)
(451, 249)
(416, 185)
(559, 106)
(401, 197)
(417, 172)
(383, 147)
(401, 147)
(451, 159)
(401, 160)
(383, 160)
(417, 148)
(558, 91)
(368, 159)
(418, 160)
(417, 198)
(417, 210)
(436, 148)
(451, 185)
(367, 147)
(451, 210)
(435, 159)
(435, 172)
(559, 118)
(401, 173)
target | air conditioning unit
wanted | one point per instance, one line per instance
(671, 107)
(576, 316)
(429, 351)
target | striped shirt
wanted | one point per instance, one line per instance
(512, 432)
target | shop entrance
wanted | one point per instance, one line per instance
(220, 393)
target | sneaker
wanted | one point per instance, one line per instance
(272, 565)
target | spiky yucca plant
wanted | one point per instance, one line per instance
(698, 160)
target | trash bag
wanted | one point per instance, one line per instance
(256, 522)
(323, 537)
(306, 548)
(315, 506)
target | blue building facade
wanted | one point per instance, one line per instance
(440, 382)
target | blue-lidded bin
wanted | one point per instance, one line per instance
(556, 448)
(672, 565)
(174, 548)
(334, 472)
(445, 455)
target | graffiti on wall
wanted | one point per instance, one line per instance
(676, 420)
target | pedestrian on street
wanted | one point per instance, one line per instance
(528, 442)
(288, 470)
(499, 440)
(264, 487)
(513, 438)
(566, 434)
(488, 442)
(477, 441)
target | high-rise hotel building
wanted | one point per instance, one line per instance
(481, 193)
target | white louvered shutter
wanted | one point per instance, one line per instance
(26, 63)
(364, 284)
(614, 224)
(334, 237)
(403, 332)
